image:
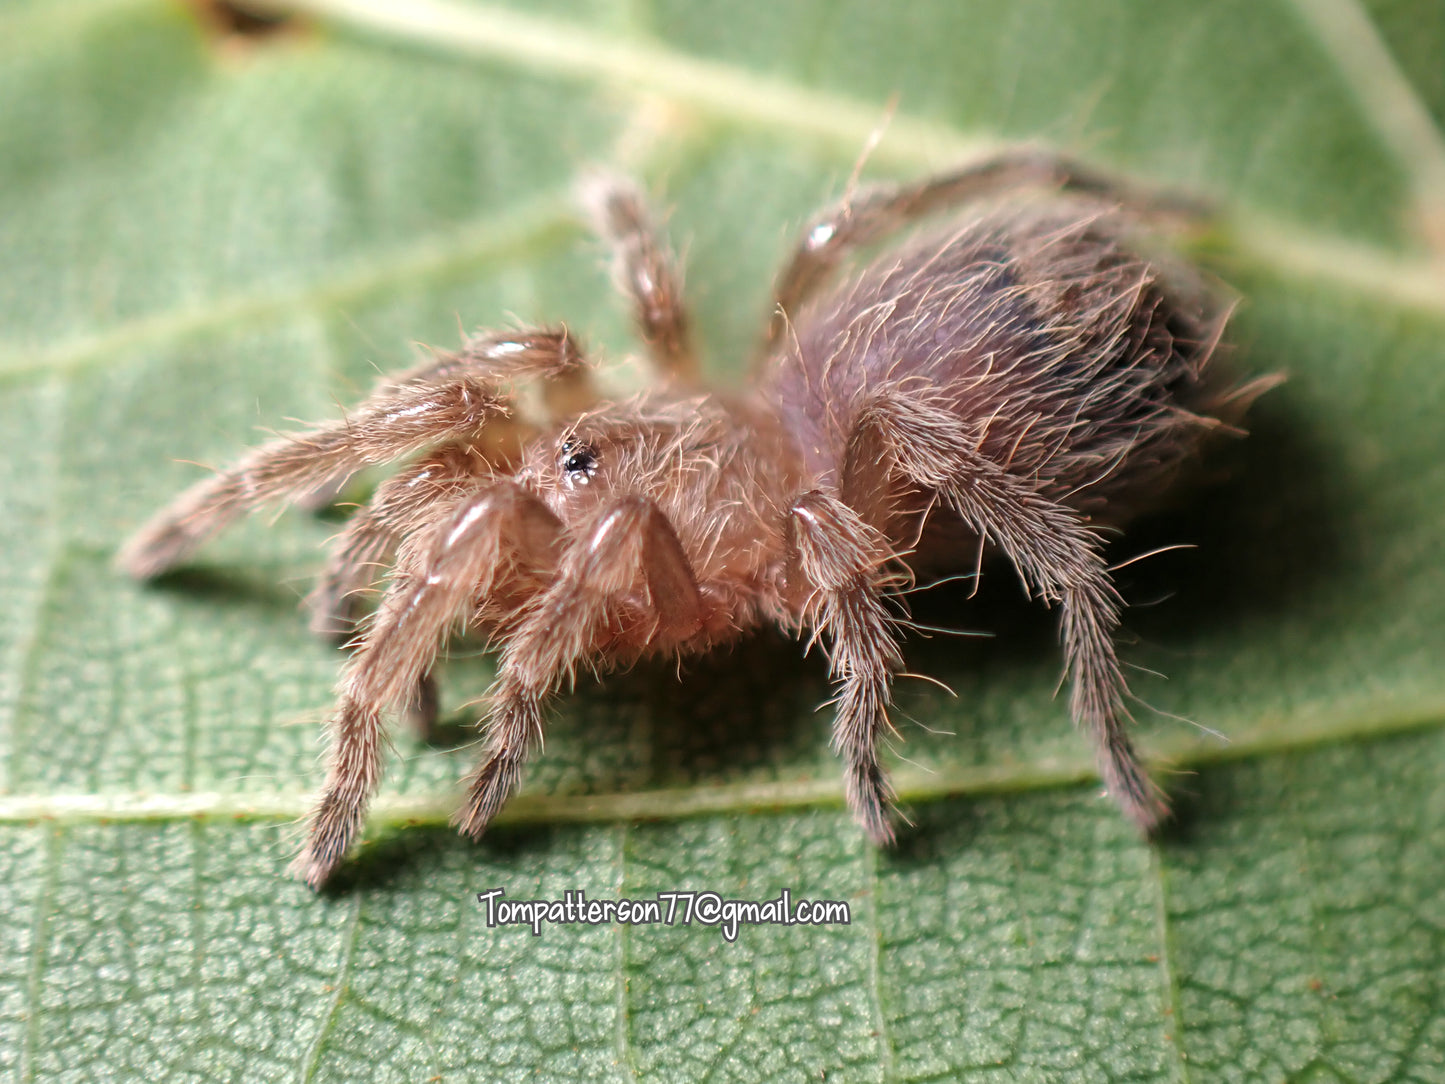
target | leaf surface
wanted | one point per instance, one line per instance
(203, 237)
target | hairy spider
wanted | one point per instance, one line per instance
(1008, 373)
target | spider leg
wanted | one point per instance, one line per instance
(546, 353)
(645, 270)
(401, 504)
(841, 557)
(452, 398)
(323, 496)
(500, 532)
(873, 214)
(630, 540)
(1049, 544)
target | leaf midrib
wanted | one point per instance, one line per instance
(1277, 736)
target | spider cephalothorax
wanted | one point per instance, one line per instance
(1010, 374)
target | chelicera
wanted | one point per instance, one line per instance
(978, 359)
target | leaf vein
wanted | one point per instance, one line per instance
(35, 972)
(1390, 104)
(1169, 972)
(493, 239)
(312, 1062)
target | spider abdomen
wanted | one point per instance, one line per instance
(1072, 360)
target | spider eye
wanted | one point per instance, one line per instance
(579, 461)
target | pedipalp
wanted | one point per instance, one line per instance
(629, 544)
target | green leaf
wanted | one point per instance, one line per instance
(202, 237)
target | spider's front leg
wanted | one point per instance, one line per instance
(629, 542)
(867, 217)
(406, 502)
(402, 504)
(491, 539)
(452, 398)
(1050, 545)
(841, 558)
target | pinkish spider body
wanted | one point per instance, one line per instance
(1012, 376)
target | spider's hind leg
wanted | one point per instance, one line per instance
(842, 558)
(873, 214)
(644, 269)
(1050, 545)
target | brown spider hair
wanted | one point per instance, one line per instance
(1012, 374)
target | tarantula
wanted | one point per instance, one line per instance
(1009, 373)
